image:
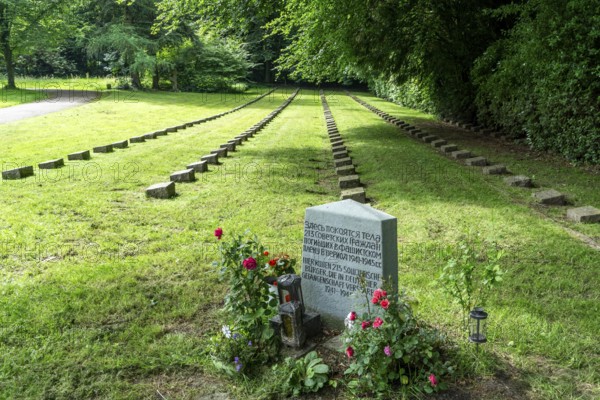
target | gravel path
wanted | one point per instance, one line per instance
(57, 100)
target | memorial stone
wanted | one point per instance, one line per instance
(344, 241)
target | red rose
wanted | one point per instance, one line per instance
(352, 316)
(365, 324)
(384, 304)
(377, 323)
(375, 300)
(272, 263)
(266, 253)
(218, 233)
(349, 352)
(250, 263)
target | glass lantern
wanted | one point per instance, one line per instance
(292, 331)
(290, 289)
(478, 325)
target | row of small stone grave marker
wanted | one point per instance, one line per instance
(585, 214)
(478, 129)
(27, 171)
(349, 181)
(166, 190)
(549, 197)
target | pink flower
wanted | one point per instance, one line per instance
(378, 295)
(365, 324)
(352, 316)
(377, 323)
(349, 352)
(388, 351)
(433, 380)
(218, 233)
(250, 263)
(384, 304)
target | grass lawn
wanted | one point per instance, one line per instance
(73, 83)
(14, 97)
(107, 294)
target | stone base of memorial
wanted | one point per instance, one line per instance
(311, 323)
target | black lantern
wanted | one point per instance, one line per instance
(290, 289)
(477, 326)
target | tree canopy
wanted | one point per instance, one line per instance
(530, 68)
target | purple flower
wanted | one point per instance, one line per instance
(250, 343)
(238, 367)
(388, 351)
(236, 336)
(236, 360)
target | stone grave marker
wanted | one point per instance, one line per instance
(211, 159)
(104, 149)
(52, 164)
(164, 190)
(80, 155)
(476, 162)
(357, 194)
(186, 175)
(200, 166)
(349, 181)
(342, 162)
(587, 214)
(121, 145)
(497, 169)
(519, 181)
(18, 173)
(342, 242)
(137, 139)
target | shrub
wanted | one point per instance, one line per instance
(470, 277)
(541, 80)
(246, 338)
(389, 347)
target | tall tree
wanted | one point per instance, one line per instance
(25, 22)
(247, 20)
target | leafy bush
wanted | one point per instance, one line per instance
(409, 94)
(210, 63)
(541, 80)
(247, 338)
(305, 375)
(470, 277)
(389, 347)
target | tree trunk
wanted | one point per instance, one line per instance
(267, 71)
(5, 43)
(155, 80)
(136, 82)
(174, 81)
(10, 66)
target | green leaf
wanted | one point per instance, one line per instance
(321, 369)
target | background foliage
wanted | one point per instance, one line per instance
(529, 68)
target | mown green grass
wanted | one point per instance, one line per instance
(14, 97)
(119, 297)
(107, 294)
(119, 115)
(72, 83)
(547, 171)
(546, 313)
